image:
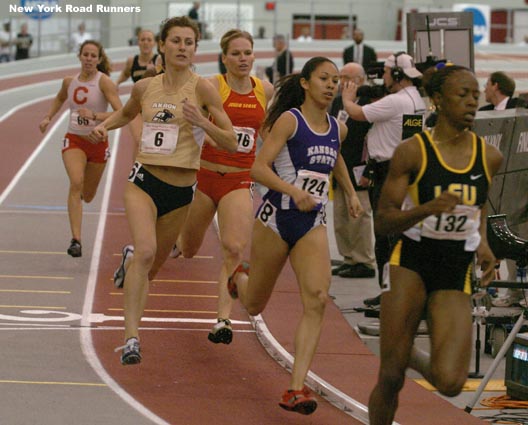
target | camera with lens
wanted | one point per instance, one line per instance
(372, 92)
(375, 70)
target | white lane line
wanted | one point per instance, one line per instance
(23, 105)
(34, 155)
(85, 332)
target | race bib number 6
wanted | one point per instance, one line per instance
(316, 184)
(159, 138)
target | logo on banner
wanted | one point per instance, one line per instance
(39, 9)
(481, 19)
(480, 26)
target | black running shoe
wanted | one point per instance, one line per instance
(75, 249)
(131, 352)
(372, 302)
(221, 332)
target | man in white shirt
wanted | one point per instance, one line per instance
(5, 42)
(78, 38)
(305, 35)
(499, 91)
(387, 116)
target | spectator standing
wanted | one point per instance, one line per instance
(305, 35)
(359, 52)
(345, 33)
(23, 42)
(499, 91)
(79, 37)
(5, 42)
(387, 116)
(193, 11)
(283, 64)
(261, 34)
(193, 14)
(134, 40)
(354, 235)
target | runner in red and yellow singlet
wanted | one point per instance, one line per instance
(224, 184)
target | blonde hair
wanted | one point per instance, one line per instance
(231, 35)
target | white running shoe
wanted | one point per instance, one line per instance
(175, 252)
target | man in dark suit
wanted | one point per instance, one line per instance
(359, 52)
(499, 91)
(283, 64)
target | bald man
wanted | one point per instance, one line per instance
(354, 236)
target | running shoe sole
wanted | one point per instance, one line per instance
(75, 249)
(119, 274)
(224, 336)
(175, 252)
(132, 357)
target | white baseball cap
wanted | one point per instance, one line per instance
(405, 62)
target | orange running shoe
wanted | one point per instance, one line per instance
(300, 401)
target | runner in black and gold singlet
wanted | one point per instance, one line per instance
(435, 195)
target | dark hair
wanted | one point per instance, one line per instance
(505, 83)
(434, 79)
(232, 35)
(104, 65)
(179, 21)
(288, 91)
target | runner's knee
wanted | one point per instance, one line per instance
(391, 380)
(315, 302)
(88, 196)
(144, 257)
(448, 382)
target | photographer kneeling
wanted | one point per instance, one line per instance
(394, 118)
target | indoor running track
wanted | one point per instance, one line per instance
(61, 318)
